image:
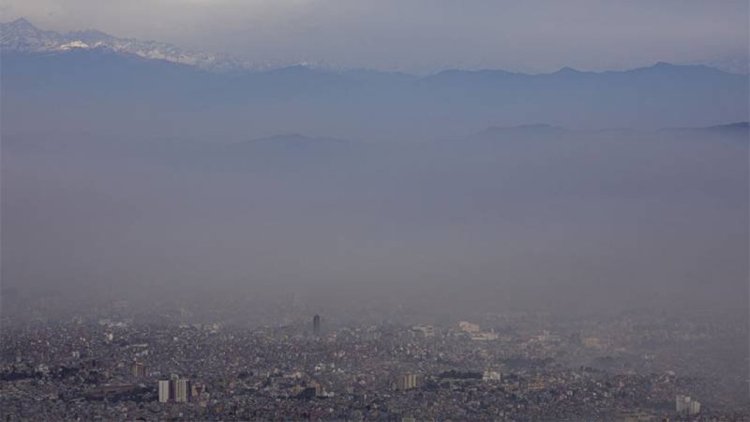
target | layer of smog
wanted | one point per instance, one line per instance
(197, 240)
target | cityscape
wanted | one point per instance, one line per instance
(128, 365)
(375, 210)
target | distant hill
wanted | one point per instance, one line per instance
(737, 130)
(732, 127)
(545, 131)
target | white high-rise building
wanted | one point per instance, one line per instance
(686, 405)
(694, 408)
(163, 391)
(182, 390)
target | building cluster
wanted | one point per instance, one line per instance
(407, 382)
(94, 369)
(177, 390)
(685, 405)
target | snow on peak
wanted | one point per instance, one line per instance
(20, 35)
(73, 44)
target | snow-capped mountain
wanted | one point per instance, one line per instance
(20, 35)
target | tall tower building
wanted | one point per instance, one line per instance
(316, 325)
(182, 390)
(163, 391)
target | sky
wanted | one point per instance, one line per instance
(421, 35)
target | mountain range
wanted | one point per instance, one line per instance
(60, 83)
(21, 36)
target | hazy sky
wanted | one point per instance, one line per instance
(421, 35)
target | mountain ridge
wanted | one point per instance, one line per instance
(80, 83)
(20, 35)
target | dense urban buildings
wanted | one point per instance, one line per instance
(123, 363)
